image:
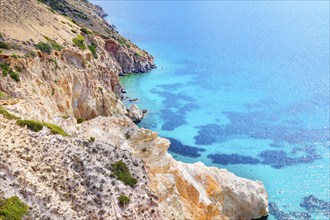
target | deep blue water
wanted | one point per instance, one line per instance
(240, 85)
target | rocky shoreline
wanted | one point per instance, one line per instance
(64, 129)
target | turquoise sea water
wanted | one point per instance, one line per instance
(240, 85)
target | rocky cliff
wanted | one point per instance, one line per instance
(60, 63)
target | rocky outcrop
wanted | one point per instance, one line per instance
(130, 61)
(200, 192)
(135, 114)
(184, 191)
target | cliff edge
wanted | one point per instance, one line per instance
(67, 147)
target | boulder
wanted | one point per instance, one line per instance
(135, 113)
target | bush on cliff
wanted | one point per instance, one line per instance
(7, 115)
(4, 95)
(79, 41)
(31, 124)
(123, 200)
(44, 47)
(13, 208)
(5, 68)
(56, 129)
(92, 49)
(120, 170)
(80, 120)
(85, 31)
(37, 126)
(4, 45)
(56, 46)
(14, 75)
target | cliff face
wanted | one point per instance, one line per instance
(69, 177)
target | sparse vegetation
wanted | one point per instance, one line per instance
(44, 47)
(65, 116)
(56, 129)
(5, 68)
(37, 126)
(4, 45)
(18, 68)
(79, 41)
(80, 120)
(92, 139)
(14, 75)
(1, 36)
(127, 135)
(8, 115)
(85, 30)
(120, 170)
(92, 49)
(54, 61)
(13, 208)
(73, 31)
(4, 96)
(123, 200)
(56, 46)
(31, 124)
(16, 56)
(31, 53)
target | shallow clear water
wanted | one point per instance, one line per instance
(242, 86)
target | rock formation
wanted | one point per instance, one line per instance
(135, 113)
(61, 65)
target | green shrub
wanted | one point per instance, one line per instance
(80, 120)
(79, 41)
(16, 56)
(14, 75)
(5, 68)
(4, 45)
(85, 30)
(44, 47)
(37, 126)
(92, 49)
(54, 61)
(73, 31)
(65, 116)
(1, 36)
(31, 54)
(8, 115)
(123, 200)
(4, 96)
(92, 139)
(120, 170)
(56, 129)
(13, 209)
(18, 68)
(56, 46)
(31, 124)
